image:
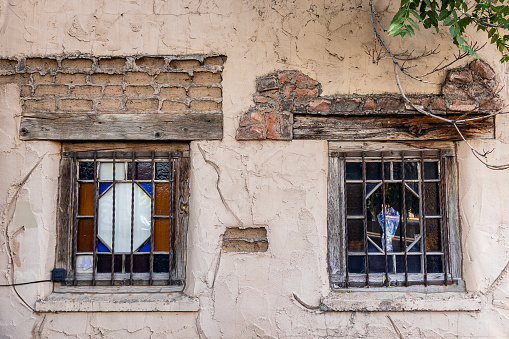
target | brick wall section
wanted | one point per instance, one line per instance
(139, 84)
(282, 94)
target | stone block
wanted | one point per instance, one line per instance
(137, 78)
(20, 79)
(75, 105)
(86, 91)
(142, 104)
(174, 106)
(70, 79)
(113, 91)
(139, 91)
(26, 91)
(438, 104)
(172, 92)
(41, 64)
(369, 104)
(454, 92)
(462, 106)
(77, 64)
(389, 103)
(204, 92)
(494, 104)
(206, 78)
(346, 104)
(173, 78)
(461, 77)
(51, 90)
(259, 99)
(201, 105)
(284, 77)
(266, 84)
(109, 63)
(215, 60)
(421, 103)
(104, 79)
(252, 118)
(150, 62)
(184, 64)
(39, 105)
(108, 105)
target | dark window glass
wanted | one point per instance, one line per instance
(430, 170)
(161, 263)
(434, 263)
(356, 264)
(354, 199)
(377, 264)
(432, 198)
(355, 235)
(162, 171)
(142, 171)
(373, 171)
(86, 171)
(353, 171)
(104, 263)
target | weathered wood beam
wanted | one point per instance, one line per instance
(396, 127)
(117, 126)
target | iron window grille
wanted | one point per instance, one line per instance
(389, 218)
(128, 219)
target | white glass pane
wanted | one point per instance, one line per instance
(106, 171)
(142, 217)
(84, 263)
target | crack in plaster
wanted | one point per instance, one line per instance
(218, 172)
(398, 332)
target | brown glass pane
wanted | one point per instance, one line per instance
(86, 235)
(162, 202)
(142, 171)
(433, 235)
(86, 199)
(141, 263)
(354, 199)
(432, 202)
(161, 235)
(104, 263)
(355, 235)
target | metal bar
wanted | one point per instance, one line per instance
(113, 224)
(152, 221)
(423, 216)
(134, 172)
(445, 242)
(75, 185)
(96, 205)
(385, 226)
(345, 211)
(170, 217)
(365, 218)
(404, 215)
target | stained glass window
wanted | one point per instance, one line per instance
(392, 209)
(126, 217)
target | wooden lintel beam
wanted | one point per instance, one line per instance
(115, 126)
(390, 128)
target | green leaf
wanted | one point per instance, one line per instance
(443, 14)
(454, 30)
(413, 23)
(449, 21)
(416, 15)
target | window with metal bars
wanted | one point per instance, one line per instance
(128, 219)
(390, 216)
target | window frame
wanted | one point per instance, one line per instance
(336, 221)
(65, 214)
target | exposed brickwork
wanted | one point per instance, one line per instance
(250, 239)
(147, 84)
(282, 94)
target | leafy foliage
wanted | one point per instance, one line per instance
(490, 16)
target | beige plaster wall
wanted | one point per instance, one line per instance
(281, 185)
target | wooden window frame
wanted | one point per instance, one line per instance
(336, 220)
(66, 206)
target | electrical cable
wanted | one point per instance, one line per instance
(26, 283)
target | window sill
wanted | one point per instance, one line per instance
(376, 301)
(126, 302)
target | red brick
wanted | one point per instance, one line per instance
(108, 105)
(43, 64)
(494, 104)
(289, 91)
(369, 104)
(438, 104)
(204, 92)
(105, 79)
(150, 62)
(86, 91)
(419, 103)
(284, 77)
(462, 106)
(139, 91)
(9, 65)
(461, 77)
(42, 79)
(252, 118)
(271, 120)
(483, 69)
(319, 105)
(260, 99)
(454, 92)
(304, 79)
(250, 133)
(306, 92)
(389, 103)
(113, 91)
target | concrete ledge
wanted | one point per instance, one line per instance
(399, 302)
(128, 302)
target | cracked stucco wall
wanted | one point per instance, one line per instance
(279, 185)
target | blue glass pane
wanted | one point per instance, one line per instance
(145, 248)
(147, 186)
(101, 247)
(370, 188)
(377, 264)
(103, 186)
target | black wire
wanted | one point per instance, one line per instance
(26, 283)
